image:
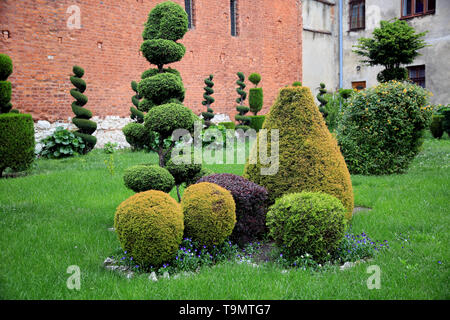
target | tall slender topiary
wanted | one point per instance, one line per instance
(209, 114)
(161, 88)
(6, 68)
(322, 100)
(85, 126)
(255, 95)
(243, 120)
(309, 157)
(136, 114)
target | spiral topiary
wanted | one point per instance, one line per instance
(209, 114)
(136, 114)
(85, 126)
(243, 120)
(150, 227)
(307, 222)
(209, 213)
(6, 69)
(322, 100)
(148, 177)
(255, 95)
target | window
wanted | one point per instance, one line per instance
(233, 17)
(188, 6)
(414, 8)
(417, 75)
(357, 14)
(359, 85)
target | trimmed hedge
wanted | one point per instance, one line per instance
(309, 157)
(148, 177)
(162, 87)
(256, 122)
(16, 141)
(149, 226)
(307, 222)
(228, 125)
(251, 206)
(166, 118)
(154, 71)
(167, 20)
(209, 213)
(436, 126)
(161, 51)
(137, 136)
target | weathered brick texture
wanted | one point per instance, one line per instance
(44, 50)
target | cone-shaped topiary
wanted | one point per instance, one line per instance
(6, 68)
(162, 88)
(150, 227)
(309, 157)
(255, 95)
(209, 114)
(209, 213)
(241, 118)
(136, 114)
(85, 126)
(322, 100)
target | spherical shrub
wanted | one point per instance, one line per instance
(254, 78)
(167, 20)
(209, 213)
(150, 227)
(160, 51)
(154, 71)
(137, 135)
(182, 172)
(307, 222)
(6, 67)
(166, 118)
(161, 88)
(381, 129)
(251, 205)
(148, 177)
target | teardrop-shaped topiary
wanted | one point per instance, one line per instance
(309, 157)
(85, 126)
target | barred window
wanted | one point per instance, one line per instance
(233, 17)
(357, 14)
(189, 7)
(417, 75)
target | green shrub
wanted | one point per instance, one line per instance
(167, 21)
(228, 125)
(16, 141)
(138, 136)
(61, 144)
(161, 88)
(149, 226)
(381, 129)
(6, 67)
(148, 177)
(241, 118)
(209, 114)
(254, 78)
(255, 100)
(166, 118)
(436, 127)
(153, 72)
(209, 213)
(136, 114)
(297, 84)
(322, 99)
(256, 122)
(446, 121)
(307, 222)
(182, 172)
(399, 74)
(309, 157)
(85, 126)
(161, 51)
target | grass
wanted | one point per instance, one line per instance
(59, 216)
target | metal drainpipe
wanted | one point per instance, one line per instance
(341, 51)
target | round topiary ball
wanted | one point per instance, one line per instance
(6, 67)
(167, 20)
(150, 227)
(161, 88)
(166, 118)
(209, 213)
(148, 177)
(255, 78)
(307, 222)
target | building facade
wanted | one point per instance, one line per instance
(360, 18)
(46, 38)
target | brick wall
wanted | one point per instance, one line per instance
(44, 50)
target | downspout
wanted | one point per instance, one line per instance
(341, 51)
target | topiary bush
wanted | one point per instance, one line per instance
(228, 125)
(436, 127)
(256, 122)
(148, 177)
(150, 227)
(6, 69)
(209, 213)
(137, 136)
(381, 129)
(241, 118)
(85, 126)
(323, 101)
(309, 157)
(251, 206)
(255, 95)
(446, 121)
(307, 222)
(297, 84)
(182, 172)
(61, 144)
(16, 141)
(136, 114)
(209, 114)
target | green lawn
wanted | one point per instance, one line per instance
(59, 216)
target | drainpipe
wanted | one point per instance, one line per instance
(341, 51)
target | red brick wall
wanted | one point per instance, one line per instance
(44, 50)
